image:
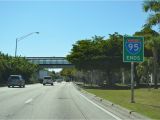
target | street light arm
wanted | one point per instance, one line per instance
(19, 39)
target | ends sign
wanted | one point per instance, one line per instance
(133, 49)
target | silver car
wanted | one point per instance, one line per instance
(16, 80)
(47, 80)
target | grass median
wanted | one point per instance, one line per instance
(147, 102)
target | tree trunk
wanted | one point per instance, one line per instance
(91, 77)
(154, 50)
(136, 78)
(109, 78)
(123, 76)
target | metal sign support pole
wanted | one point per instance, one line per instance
(132, 82)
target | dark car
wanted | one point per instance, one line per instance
(16, 80)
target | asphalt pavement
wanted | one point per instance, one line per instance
(61, 101)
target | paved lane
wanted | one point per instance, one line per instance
(61, 101)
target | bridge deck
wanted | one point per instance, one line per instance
(50, 61)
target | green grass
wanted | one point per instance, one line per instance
(147, 102)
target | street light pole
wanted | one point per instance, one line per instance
(16, 48)
(18, 39)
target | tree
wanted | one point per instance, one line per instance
(68, 73)
(11, 65)
(98, 53)
(144, 70)
(82, 54)
(154, 7)
(154, 19)
(151, 47)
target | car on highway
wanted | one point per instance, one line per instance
(16, 80)
(47, 80)
(59, 80)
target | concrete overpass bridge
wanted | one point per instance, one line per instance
(50, 62)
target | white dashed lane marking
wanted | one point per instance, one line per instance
(28, 101)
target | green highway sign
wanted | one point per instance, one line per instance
(133, 49)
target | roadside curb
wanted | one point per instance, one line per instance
(124, 111)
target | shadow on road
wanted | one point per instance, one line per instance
(15, 87)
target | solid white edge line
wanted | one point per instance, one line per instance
(117, 118)
(28, 101)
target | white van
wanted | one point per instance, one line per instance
(47, 80)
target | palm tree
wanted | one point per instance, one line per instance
(154, 7)
(154, 19)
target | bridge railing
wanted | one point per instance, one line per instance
(48, 60)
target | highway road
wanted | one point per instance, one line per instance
(61, 101)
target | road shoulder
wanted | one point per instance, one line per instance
(111, 107)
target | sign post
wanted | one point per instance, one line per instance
(133, 51)
(132, 82)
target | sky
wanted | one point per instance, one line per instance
(62, 23)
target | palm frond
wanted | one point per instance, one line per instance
(153, 19)
(151, 5)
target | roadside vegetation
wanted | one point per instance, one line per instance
(10, 66)
(98, 60)
(99, 64)
(147, 100)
